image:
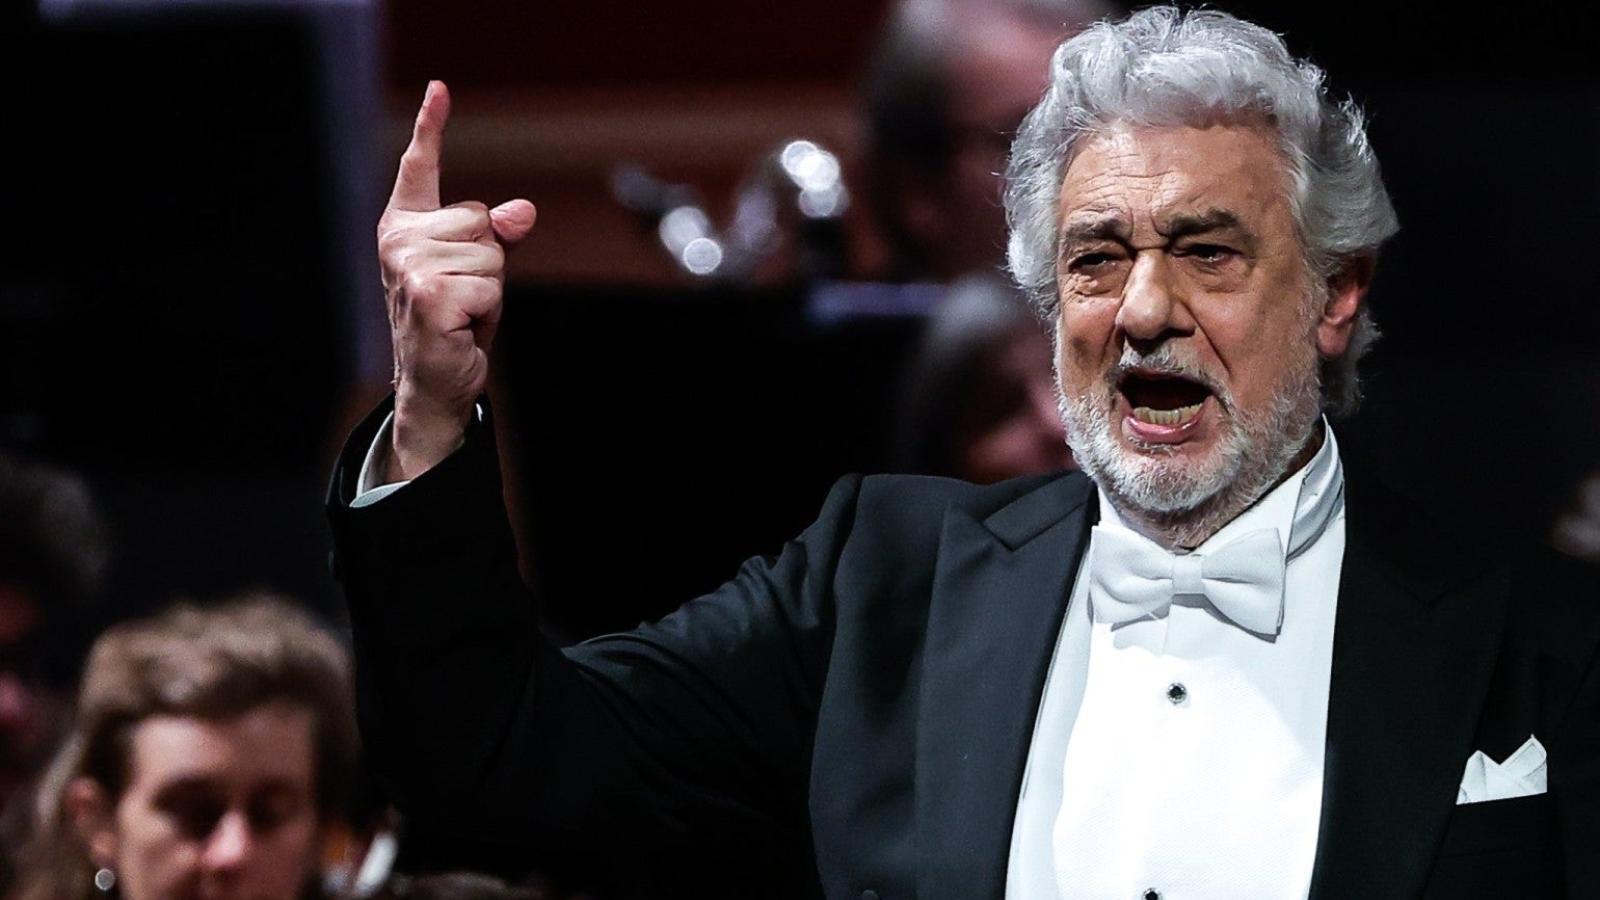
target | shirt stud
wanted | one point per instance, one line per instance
(1176, 693)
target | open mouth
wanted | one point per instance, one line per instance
(1161, 398)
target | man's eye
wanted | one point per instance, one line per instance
(1209, 252)
(1088, 262)
(269, 812)
(194, 816)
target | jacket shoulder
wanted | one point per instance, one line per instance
(917, 503)
(898, 520)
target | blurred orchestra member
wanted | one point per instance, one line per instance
(1578, 531)
(977, 401)
(944, 92)
(945, 89)
(209, 752)
(53, 558)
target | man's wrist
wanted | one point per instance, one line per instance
(421, 439)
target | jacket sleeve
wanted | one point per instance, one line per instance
(699, 723)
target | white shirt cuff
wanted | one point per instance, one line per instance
(368, 491)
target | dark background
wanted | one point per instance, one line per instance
(178, 282)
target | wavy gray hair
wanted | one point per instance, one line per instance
(1164, 67)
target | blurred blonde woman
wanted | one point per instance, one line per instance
(209, 754)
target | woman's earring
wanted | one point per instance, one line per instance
(105, 880)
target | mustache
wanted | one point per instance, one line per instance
(1165, 361)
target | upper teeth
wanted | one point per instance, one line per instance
(1167, 416)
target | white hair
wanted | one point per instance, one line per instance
(1164, 67)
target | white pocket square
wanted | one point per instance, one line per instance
(1523, 774)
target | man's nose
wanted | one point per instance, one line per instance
(230, 843)
(1153, 304)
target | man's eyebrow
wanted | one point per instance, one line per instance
(1199, 223)
(1097, 228)
(185, 783)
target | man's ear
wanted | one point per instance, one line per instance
(1347, 290)
(93, 817)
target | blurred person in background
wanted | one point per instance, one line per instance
(53, 557)
(1578, 531)
(209, 754)
(945, 89)
(944, 92)
(977, 401)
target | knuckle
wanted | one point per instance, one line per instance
(420, 285)
(392, 262)
(390, 243)
(395, 235)
(476, 215)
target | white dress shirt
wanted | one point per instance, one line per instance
(1180, 753)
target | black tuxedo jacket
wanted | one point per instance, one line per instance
(851, 717)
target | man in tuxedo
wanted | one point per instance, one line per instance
(1223, 663)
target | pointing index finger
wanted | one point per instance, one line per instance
(416, 187)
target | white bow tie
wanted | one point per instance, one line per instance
(1131, 577)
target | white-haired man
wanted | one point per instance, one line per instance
(1222, 665)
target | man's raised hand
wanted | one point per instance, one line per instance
(443, 274)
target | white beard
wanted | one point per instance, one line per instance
(1192, 498)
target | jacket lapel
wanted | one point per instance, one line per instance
(1000, 590)
(1415, 640)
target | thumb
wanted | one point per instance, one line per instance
(512, 220)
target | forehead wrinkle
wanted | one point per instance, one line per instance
(1120, 206)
